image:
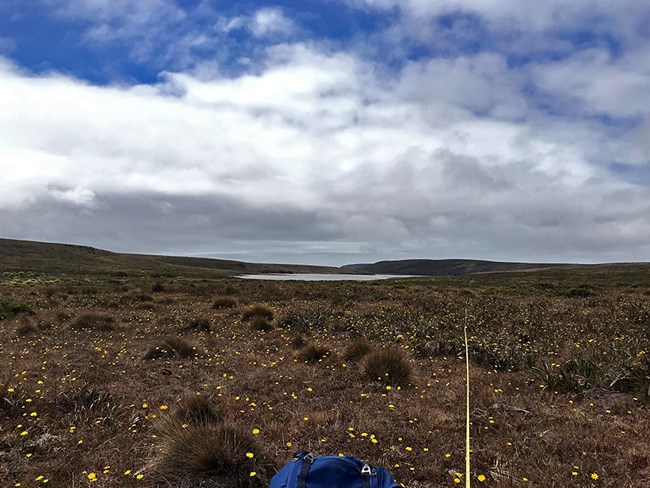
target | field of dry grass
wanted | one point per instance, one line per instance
(100, 383)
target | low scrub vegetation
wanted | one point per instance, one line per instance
(10, 308)
(560, 368)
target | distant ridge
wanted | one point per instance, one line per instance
(45, 257)
(444, 267)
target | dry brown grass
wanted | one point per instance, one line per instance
(257, 310)
(96, 389)
(25, 327)
(93, 321)
(212, 455)
(260, 323)
(298, 341)
(171, 347)
(357, 350)
(312, 353)
(196, 410)
(224, 302)
(199, 324)
(388, 366)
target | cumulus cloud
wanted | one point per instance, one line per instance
(444, 158)
(313, 152)
(270, 22)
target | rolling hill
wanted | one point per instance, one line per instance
(42, 257)
(443, 267)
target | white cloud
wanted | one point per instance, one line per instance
(265, 22)
(550, 14)
(269, 21)
(458, 156)
(77, 196)
(601, 84)
(445, 157)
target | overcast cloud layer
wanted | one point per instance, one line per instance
(419, 128)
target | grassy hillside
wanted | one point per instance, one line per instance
(443, 267)
(41, 257)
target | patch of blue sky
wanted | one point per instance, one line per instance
(638, 174)
(43, 42)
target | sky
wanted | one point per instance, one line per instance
(329, 131)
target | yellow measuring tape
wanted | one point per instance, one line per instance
(467, 442)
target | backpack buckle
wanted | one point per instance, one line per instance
(366, 470)
(309, 457)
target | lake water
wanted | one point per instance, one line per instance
(319, 277)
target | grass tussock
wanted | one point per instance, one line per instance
(389, 366)
(312, 353)
(26, 327)
(224, 302)
(93, 321)
(260, 323)
(212, 455)
(357, 350)
(298, 342)
(171, 348)
(196, 410)
(257, 310)
(199, 324)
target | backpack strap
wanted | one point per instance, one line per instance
(307, 461)
(366, 473)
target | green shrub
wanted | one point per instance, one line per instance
(574, 376)
(10, 308)
(304, 321)
(634, 378)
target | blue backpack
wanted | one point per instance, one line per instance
(309, 471)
